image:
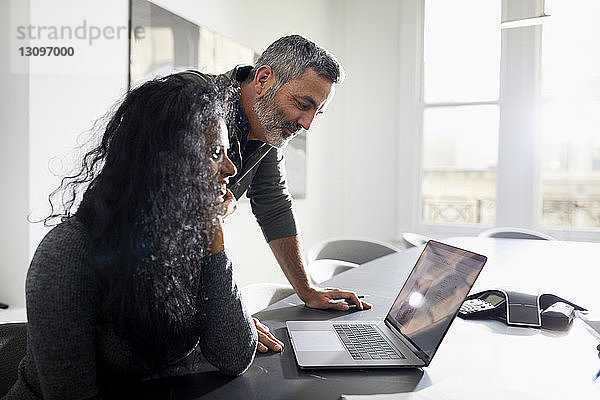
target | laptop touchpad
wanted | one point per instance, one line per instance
(317, 341)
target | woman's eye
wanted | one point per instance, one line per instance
(217, 154)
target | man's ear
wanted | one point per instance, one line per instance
(264, 79)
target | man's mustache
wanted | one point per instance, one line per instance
(293, 127)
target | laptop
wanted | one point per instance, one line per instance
(413, 328)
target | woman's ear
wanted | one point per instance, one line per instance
(263, 79)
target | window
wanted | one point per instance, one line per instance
(509, 127)
(460, 111)
(570, 122)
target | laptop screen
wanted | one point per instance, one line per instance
(433, 294)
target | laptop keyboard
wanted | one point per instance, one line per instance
(364, 342)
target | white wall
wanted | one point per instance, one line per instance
(42, 115)
(370, 104)
(14, 158)
(66, 99)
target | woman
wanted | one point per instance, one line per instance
(135, 283)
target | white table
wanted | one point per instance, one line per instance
(528, 363)
(11, 314)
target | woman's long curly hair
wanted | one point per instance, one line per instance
(148, 204)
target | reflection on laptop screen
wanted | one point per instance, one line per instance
(433, 293)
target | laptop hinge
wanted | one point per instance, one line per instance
(404, 340)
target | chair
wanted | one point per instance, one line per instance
(515, 233)
(13, 345)
(322, 270)
(258, 296)
(333, 256)
(414, 239)
(353, 250)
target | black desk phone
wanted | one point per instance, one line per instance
(487, 306)
(520, 309)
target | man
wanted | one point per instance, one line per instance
(292, 82)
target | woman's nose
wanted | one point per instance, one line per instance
(227, 167)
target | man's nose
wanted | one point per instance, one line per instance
(306, 119)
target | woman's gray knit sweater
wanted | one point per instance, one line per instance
(69, 346)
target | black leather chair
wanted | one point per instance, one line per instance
(13, 345)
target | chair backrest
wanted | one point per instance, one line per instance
(13, 346)
(515, 233)
(324, 269)
(258, 296)
(414, 239)
(352, 250)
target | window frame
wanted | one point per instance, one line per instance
(518, 132)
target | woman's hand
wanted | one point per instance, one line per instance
(218, 243)
(227, 207)
(266, 340)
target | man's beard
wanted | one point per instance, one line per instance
(272, 120)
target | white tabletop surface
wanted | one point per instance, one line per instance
(11, 314)
(525, 363)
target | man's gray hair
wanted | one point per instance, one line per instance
(290, 56)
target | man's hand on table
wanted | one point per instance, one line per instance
(316, 298)
(324, 299)
(266, 340)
